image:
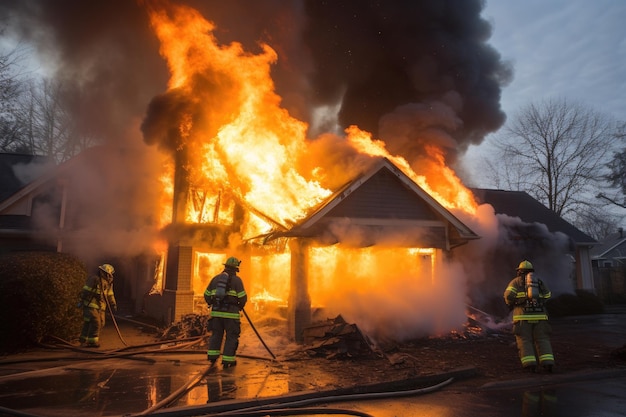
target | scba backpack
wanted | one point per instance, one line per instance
(221, 288)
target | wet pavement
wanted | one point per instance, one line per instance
(175, 380)
(603, 397)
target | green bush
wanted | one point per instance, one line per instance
(38, 296)
(581, 303)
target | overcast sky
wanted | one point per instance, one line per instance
(574, 49)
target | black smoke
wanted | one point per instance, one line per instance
(411, 59)
(409, 71)
(412, 72)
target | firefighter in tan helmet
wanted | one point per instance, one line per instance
(526, 296)
(97, 293)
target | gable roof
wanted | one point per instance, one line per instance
(521, 204)
(10, 182)
(383, 204)
(611, 247)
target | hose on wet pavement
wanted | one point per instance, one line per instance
(257, 333)
(284, 407)
(15, 413)
(304, 411)
(115, 322)
(336, 398)
(177, 394)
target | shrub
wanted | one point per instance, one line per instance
(581, 303)
(38, 296)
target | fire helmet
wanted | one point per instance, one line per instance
(525, 266)
(232, 262)
(107, 268)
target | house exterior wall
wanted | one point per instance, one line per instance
(610, 283)
(584, 270)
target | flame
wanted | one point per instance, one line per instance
(439, 180)
(239, 139)
(242, 148)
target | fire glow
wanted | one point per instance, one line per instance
(242, 147)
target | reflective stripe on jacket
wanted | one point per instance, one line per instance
(515, 297)
(233, 302)
(94, 291)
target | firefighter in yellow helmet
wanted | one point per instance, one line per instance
(226, 296)
(526, 296)
(96, 294)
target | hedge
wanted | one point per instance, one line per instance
(38, 296)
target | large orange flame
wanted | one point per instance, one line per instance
(241, 145)
(242, 141)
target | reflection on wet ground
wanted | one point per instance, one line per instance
(576, 399)
(117, 386)
(63, 385)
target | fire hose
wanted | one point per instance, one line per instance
(290, 407)
(114, 321)
(257, 333)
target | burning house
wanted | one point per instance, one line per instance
(382, 209)
(318, 148)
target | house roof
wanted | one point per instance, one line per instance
(521, 204)
(87, 156)
(381, 205)
(10, 182)
(612, 246)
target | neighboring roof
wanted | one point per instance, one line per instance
(10, 183)
(384, 202)
(521, 204)
(611, 247)
(86, 156)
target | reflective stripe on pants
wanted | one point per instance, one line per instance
(533, 341)
(219, 326)
(93, 322)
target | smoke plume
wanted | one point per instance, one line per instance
(378, 62)
(414, 73)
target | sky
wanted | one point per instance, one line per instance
(573, 49)
(415, 70)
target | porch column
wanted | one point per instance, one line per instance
(299, 309)
(178, 292)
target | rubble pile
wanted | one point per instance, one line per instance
(335, 338)
(190, 325)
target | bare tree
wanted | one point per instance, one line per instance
(44, 121)
(10, 90)
(557, 152)
(47, 126)
(617, 174)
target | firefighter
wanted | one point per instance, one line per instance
(526, 296)
(96, 294)
(226, 296)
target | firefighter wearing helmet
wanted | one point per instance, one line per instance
(526, 296)
(226, 296)
(97, 293)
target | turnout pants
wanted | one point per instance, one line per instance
(218, 327)
(533, 342)
(93, 322)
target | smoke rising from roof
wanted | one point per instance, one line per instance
(383, 56)
(413, 73)
(374, 58)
